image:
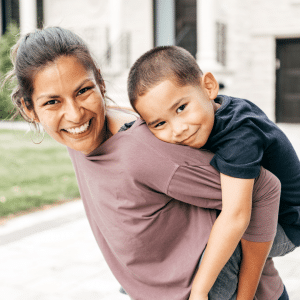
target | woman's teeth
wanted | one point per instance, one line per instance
(80, 129)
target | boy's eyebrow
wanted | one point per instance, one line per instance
(153, 122)
(176, 103)
(170, 108)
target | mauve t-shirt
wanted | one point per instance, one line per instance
(146, 203)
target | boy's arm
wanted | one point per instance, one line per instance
(226, 233)
(254, 258)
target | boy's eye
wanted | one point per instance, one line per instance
(180, 108)
(159, 124)
(85, 89)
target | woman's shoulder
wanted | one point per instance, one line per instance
(117, 117)
(141, 142)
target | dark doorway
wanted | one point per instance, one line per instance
(288, 80)
(186, 25)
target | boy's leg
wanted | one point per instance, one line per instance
(284, 295)
(282, 245)
(225, 287)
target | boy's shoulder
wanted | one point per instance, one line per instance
(238, 111)
(235, 103)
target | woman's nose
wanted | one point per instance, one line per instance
(73, 111)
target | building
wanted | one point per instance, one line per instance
(252, 47)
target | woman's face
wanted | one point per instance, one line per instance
(69, 105)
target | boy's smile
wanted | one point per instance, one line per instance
(178, 114)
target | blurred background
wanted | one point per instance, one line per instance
(253, 49)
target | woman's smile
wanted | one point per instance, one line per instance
(80, 129)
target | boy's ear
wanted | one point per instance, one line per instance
(210, 85)
(29, 112)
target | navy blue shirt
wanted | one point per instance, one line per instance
(243, 139)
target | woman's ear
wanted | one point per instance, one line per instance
(210, 85)
(30, 113)
(101, 84)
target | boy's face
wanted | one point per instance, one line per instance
(179, 114)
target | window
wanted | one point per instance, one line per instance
(221, 43)
(10, 13)
(40, 13)
(186, 25)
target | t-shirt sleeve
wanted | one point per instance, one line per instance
(240, 152)
(265, 207)
(196, 185)
(200, 186)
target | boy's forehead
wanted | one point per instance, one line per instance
(162, 99)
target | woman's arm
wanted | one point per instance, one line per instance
(254, 258)
(226, 233)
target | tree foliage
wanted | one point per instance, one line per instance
(6, 43)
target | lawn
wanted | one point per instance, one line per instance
(31, 175)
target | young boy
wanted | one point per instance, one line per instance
(181, 105)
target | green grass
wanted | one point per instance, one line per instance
(31, 175)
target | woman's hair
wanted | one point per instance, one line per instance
(37, 50)
(159, 64)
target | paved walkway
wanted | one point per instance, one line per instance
(52, 255)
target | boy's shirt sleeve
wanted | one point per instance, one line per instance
(239, 153)
(241, 136)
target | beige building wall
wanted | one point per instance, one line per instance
(253, 27)
(96, 21)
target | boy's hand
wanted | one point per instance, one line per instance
(196, 296)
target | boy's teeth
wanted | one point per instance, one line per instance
(80, 129)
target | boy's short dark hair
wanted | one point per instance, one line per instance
(159, 64)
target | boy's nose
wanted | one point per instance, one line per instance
(179, 129)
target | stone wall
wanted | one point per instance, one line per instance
(253, 27)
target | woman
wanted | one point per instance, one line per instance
(145, 199)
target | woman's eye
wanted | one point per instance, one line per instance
(181, 108)
(51, 102)
(159, 124)
(82, 91)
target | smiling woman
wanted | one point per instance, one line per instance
(69, 104)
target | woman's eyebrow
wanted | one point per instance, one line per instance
(47, 96)
(82, 84)
(51, 96)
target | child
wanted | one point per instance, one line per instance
(181, 105)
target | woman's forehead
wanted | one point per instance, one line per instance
(63, 74)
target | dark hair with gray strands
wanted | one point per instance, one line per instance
(160, 64)
(35, 51)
